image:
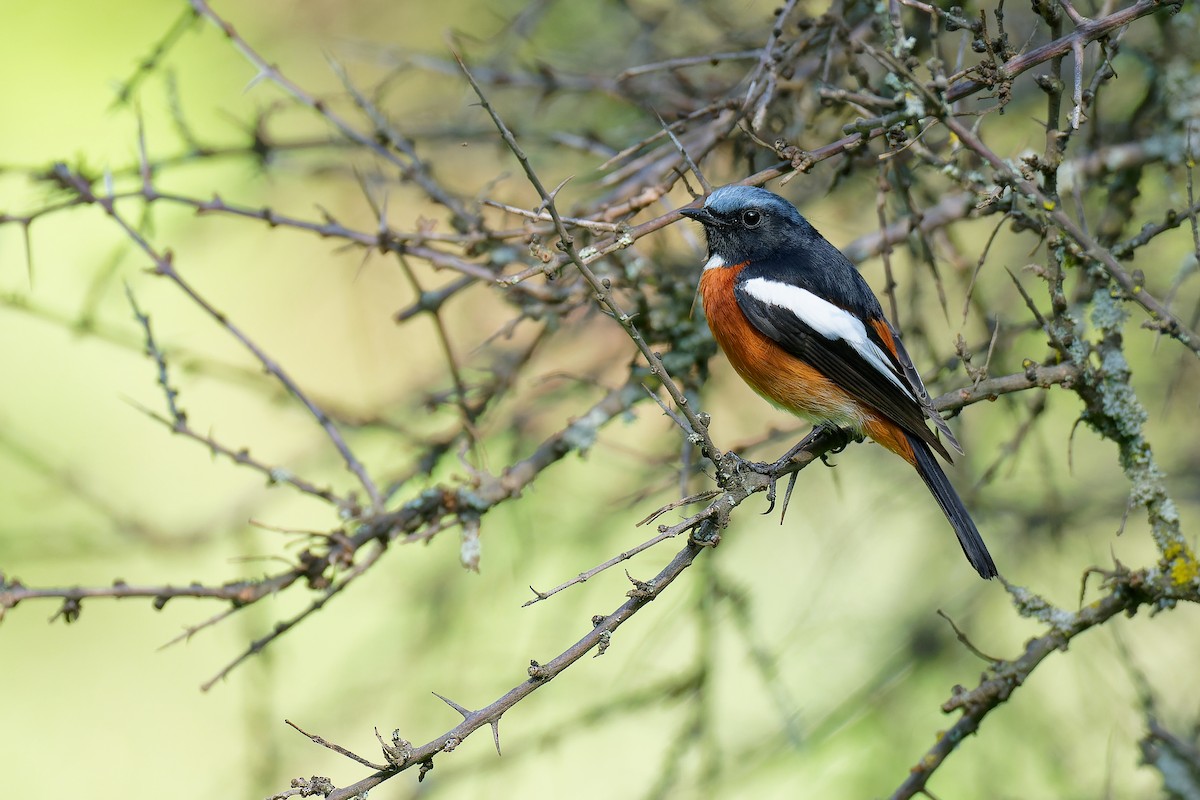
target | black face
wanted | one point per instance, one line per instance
(747, 224)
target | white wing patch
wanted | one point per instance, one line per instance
(826, 319)
(716, 262)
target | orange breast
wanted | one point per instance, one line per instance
(771, 371)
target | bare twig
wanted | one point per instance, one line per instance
(164, 265)
(603, 290)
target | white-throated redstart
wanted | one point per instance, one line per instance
(801, 326)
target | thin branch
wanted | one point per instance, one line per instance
(541, 674)
(602, 289)
(164, 265)
(1162, 318)
(334, 747)
(410, 166)
(1128, 591)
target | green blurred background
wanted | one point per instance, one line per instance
(840, 612)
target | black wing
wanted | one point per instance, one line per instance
(918, 386)
(842, 363)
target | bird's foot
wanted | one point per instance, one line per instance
(732, 464)
(841, 437)
(843, 440)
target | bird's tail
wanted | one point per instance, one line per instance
(968, 535)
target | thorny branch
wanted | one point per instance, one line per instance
(870, 94)
(1126, 592)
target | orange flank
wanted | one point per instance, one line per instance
(779, 377)
(884, 332)
(891, 436)
(885, 432)
(783, 379)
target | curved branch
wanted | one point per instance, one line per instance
(1128, 591)
(540, 675)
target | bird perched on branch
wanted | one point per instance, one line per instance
(801, 326)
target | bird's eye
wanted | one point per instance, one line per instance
(751, 218)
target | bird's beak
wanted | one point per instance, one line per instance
(701, 215)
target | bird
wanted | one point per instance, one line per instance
(801, 326)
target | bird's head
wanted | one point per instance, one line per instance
(746, 223)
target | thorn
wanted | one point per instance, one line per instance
(466, 713)
(496, 735)
(262, 75)
(28, 254)
(554, 192)
(787, 496)
(383, 209)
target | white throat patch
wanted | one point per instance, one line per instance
(716, 262)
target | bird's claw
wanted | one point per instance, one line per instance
(787, 495)
(844, 439)
(732, 464)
